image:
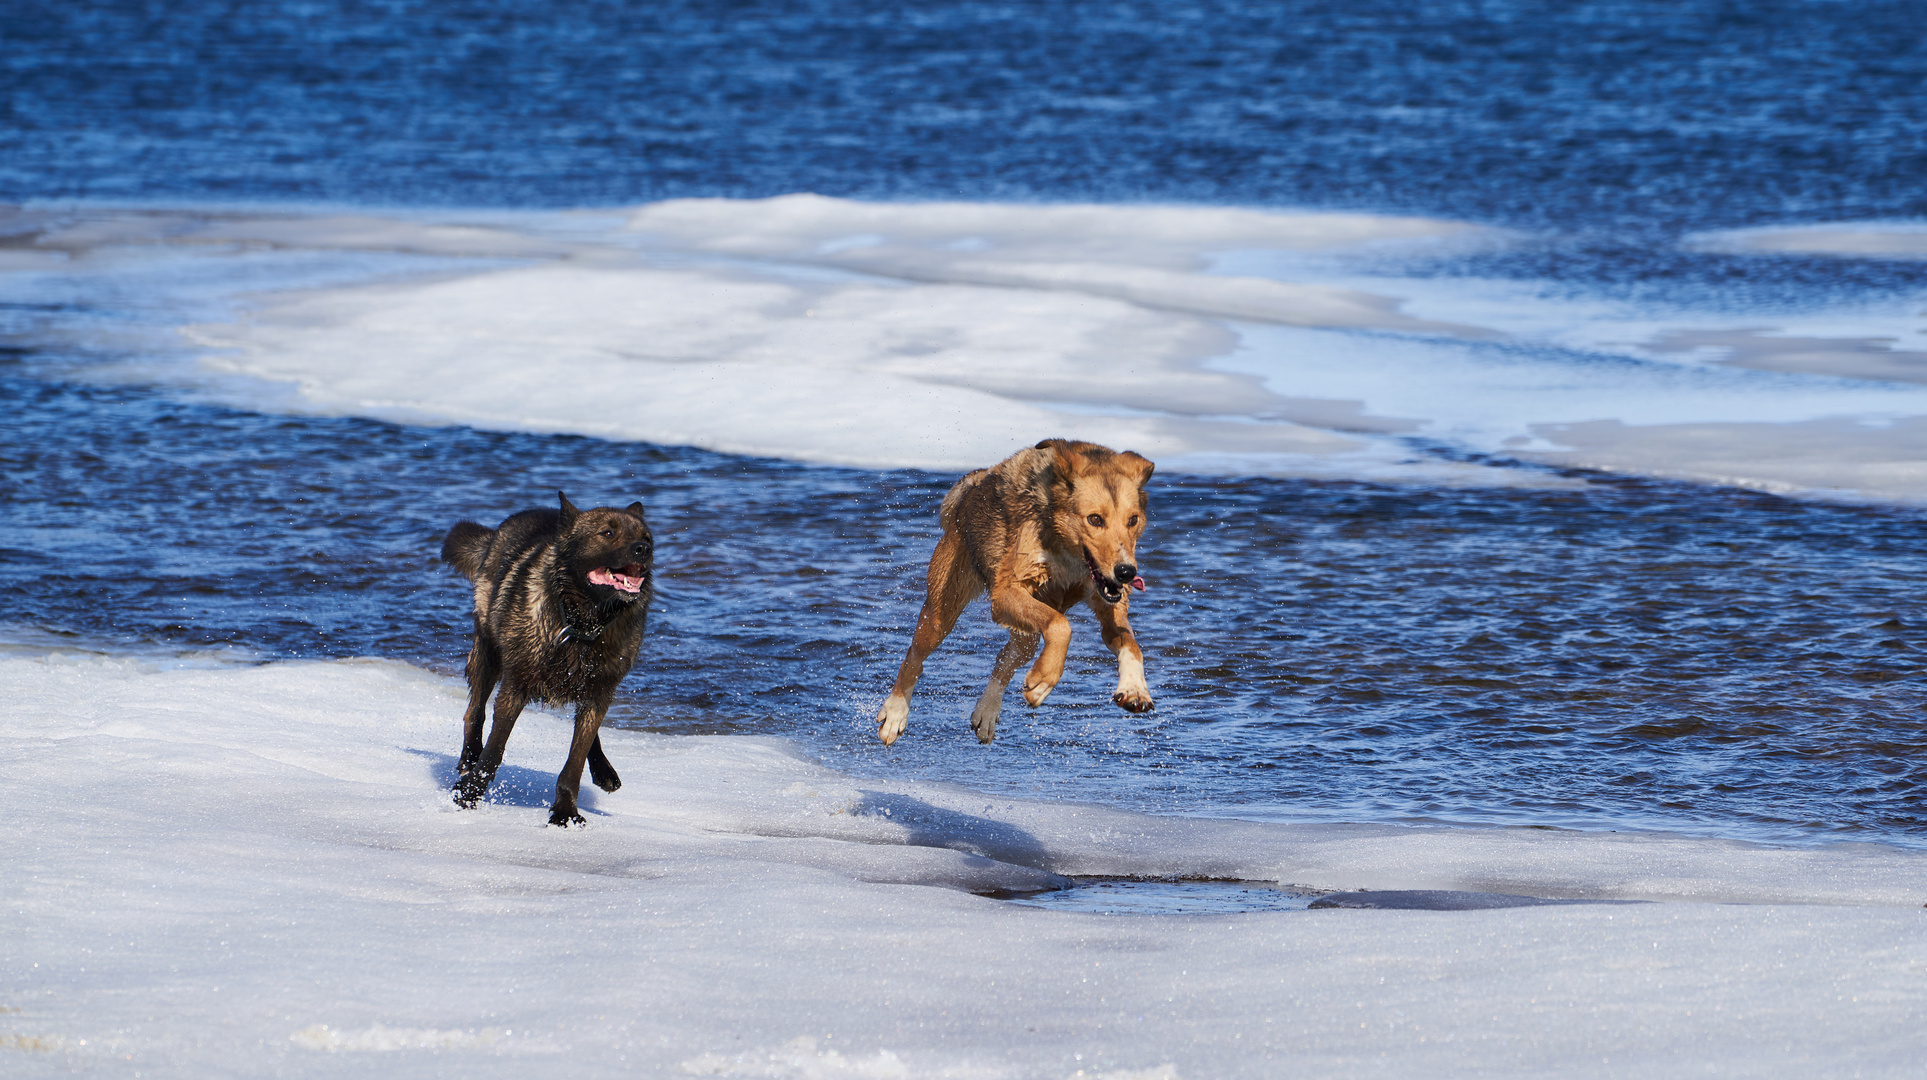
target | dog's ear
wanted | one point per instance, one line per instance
(569, 513)
(1065, 461)
(635, 509)
(1143, 465)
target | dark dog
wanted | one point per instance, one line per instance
(560, 602)
(1049, 527)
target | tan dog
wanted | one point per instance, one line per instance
(1049, 527)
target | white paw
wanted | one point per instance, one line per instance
(1135, 699)
(892, 718)
(1131, 694)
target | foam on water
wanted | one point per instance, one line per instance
(944, 335)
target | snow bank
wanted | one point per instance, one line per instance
(258, 870)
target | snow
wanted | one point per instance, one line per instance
(1797, 421)
(1215, 340)
(216, 869)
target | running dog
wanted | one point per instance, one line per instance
(1051, 526)
(561, 597)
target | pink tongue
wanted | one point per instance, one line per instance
(1137, 583)
(604, 576)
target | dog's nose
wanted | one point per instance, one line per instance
(641, 550)
(1124, 572)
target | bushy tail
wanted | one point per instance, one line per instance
(466, 546)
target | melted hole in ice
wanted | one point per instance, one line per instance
(1140, 896)
(1166, 896)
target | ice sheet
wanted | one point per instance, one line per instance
(947, 335)
(938, 376)
(1848, 240)
(253, 870)
(1791, 431)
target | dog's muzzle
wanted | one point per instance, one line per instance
(1111, 587)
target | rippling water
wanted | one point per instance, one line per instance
(1616, 653)
(1648, 115)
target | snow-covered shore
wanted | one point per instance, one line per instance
(249, 871)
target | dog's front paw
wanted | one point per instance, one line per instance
(1037, 688)
(566, 817)
(892, 718)
(1133, 700)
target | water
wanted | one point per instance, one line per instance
(1654, 117)
(1460, 623)
(1132, 896)
(1626, 654)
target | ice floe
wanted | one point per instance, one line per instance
(946, 335)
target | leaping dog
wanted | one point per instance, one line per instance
(1051, 526)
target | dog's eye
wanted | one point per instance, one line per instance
(1096, 520)
(1131, 524)
(606, 533)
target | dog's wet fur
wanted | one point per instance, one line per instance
(561, 599)
(1049, 527)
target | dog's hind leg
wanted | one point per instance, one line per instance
(1132, 694)
(601, 773)
(568, 782)
(509, 703)
(952, 586)
(1015, 654)
(484, 667)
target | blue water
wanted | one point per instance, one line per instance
(1628, 654)
(1593, 117)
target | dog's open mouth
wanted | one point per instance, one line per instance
(1111, 589)
(625, 579)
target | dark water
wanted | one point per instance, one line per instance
(1641, 116)
(1620, 655)
(1133, 896)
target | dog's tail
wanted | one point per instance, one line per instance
(466, 546)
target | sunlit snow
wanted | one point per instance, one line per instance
(946, 335)
(253, 870)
